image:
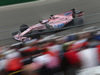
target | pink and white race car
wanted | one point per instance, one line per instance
(56, 21)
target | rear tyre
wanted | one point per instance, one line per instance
(69, 24)
(78, 21)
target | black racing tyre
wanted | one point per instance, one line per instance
(23, 27)
(69, 24)
(15, 33)
(81, 21)
(78, 21)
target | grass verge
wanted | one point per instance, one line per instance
(10, 2)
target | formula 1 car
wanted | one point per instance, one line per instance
(55, 21)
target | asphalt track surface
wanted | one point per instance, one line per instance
(11, 17)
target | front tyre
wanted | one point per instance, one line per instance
(23, 27)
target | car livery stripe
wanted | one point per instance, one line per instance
(59, 25)
(68, 13)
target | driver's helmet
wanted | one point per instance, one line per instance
(73, 9)
(52, 17)
(40, 21)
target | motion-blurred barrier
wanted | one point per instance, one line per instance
(15, 72)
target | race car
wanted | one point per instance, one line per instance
(55, 21)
